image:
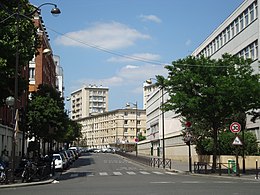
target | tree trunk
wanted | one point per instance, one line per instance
(215, 144)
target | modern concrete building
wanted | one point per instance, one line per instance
(163, 129)
(117, 128)
(89, 100)
(238, 35)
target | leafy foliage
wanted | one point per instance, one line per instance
(17, 33)
(210, 93)
(225, 146)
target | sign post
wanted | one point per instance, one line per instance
(235, 127)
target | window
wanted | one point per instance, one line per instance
(232, 30)
(252, 16)
(31, 73)
(125, 122)
(241, 22)
(125, 130)
(236, 26)
(246, 18)
(252, 51)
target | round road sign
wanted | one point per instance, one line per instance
(235, 127)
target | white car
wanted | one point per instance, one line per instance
(58, 161)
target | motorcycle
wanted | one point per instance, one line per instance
(2, 172)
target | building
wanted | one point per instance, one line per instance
(89, 100)
(42, 68)
(162, 128)
(59, 75)
(117, 128)
(238, 35)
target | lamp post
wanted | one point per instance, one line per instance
(18, 17)
(149, 81)
(136, 132)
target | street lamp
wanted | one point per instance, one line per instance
(136, 132)
(149, 81)
(18, 15)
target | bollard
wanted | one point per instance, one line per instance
(256, 167)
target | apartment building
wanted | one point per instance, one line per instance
(42, 68)
(89, 100)
(117, 128)
(238, 35)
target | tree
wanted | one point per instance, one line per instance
(210, 92)
(73, 131)
(225, 146)
(11, 40)
(46, 115)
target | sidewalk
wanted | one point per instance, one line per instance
(20, 184)
(183, 168)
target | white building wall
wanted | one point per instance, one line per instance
(243, 41)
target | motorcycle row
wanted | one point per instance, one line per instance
(28, 170)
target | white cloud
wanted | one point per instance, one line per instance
(112, 35)
(136, 57)
(151, 18)
(129, 75)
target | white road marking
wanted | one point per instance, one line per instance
(158, 173)
(117, 173)
(131, 173)
(103, 173)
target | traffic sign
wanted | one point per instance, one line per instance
(237, 141)
(235, 127)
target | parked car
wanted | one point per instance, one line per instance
(65, 161)
(67, 156)
(58, 161)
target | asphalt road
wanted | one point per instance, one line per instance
(101, 174)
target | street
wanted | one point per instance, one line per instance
(111, 174)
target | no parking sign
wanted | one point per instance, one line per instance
(235, 127)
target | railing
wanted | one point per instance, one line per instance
(158, 162)
(201, 167)
(147, 160)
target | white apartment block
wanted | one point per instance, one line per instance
(159, 125)
(89, 100)
(238, 35)
(117, 128)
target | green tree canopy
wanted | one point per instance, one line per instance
(23, 39)
(211, 92)
(46, 114)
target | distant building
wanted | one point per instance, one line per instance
(117, 128)
(89, 100)
(238, 35)
(59, 75)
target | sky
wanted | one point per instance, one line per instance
(120, 44)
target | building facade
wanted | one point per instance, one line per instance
(163, 129)
(89, 100)
(117, 128)
(238, 35)
(42, 68)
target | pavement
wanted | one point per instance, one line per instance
(177, 167)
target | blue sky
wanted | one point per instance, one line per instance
(121, 43)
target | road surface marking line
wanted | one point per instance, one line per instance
(131, 173)
(103, 173)
(158, 173)
(117, 173)
(171, 173)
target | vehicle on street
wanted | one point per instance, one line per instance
(58, 161)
